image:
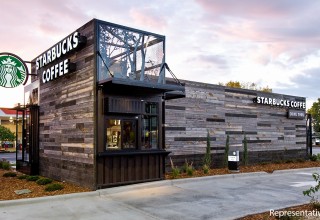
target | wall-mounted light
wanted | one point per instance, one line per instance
(11, 119)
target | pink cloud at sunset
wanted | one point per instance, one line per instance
(275, 43)
(148, 17)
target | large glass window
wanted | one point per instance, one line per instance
(121, 134)
(134, 132)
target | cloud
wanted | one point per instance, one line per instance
(304, 85)
(207, 60)
(253, 8)
(268, 42)
(287, 26)
(148, 16)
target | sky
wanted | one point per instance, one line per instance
(273, 43)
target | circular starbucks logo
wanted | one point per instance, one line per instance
(13, 71)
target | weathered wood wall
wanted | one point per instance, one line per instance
(67, 118)
(228, 111)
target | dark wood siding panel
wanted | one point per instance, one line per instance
(126, 169)
(67, 119)
(226, 111)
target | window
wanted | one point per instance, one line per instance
(129, 134)
(149, 134)
(121, 134)
(122, 130)
(149, 128)
(113, 134)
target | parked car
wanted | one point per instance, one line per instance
(7, 144)
(315, 141)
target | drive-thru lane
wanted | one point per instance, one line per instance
(217, 197)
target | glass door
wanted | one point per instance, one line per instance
(27, 139)
(19, 134)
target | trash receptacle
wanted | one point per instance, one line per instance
(233, 161)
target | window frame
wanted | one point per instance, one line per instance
(122, 119)
(138, 119)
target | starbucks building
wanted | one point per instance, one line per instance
(104, 110)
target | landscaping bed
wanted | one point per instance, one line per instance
(267, 167)
(8, 186)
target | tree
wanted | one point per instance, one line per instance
(226, 152)
(315, 113)
(207, 156)
(6, 134)
(247, 85)
(245, 157)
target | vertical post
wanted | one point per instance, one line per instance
(309, 134)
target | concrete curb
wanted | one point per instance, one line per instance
(46, 198)
(295, 170)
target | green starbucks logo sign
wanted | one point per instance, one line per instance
(13, 71)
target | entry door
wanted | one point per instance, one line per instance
(27, 139)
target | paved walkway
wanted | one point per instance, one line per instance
(217, 197)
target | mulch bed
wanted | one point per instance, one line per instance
(9, 184)
(269, 168)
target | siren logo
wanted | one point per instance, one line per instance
(13, 71)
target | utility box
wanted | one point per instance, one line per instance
(233, 161)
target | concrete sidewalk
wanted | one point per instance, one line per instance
(215, 197)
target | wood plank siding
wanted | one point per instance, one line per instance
(67, 118)
(228, 111)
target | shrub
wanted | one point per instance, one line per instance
(190, 171)
(9, 174)
(5, 165)
(44, 181)
(32, 178)
(189, 168)
(53, 187)
(311, 192)
(175, 170)
(207, 157)
(245, 151)
(316, 206)
(22, 177)
(183, 169)
(205, 169)
(313, 157)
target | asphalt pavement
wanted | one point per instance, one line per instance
(215, 197)
(8, 156)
